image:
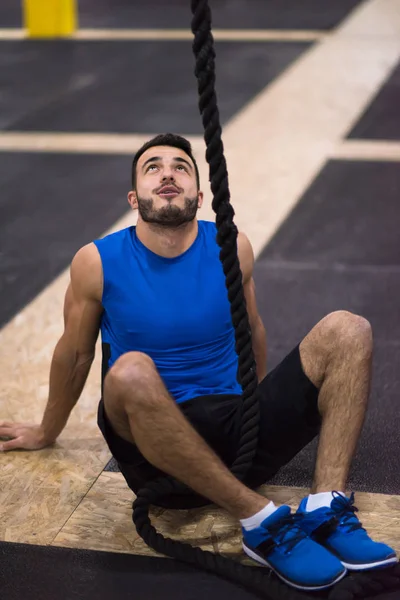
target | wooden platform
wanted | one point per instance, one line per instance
(101, 517)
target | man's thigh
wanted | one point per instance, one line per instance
(289, 418)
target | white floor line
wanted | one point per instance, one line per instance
(228, 35)
(223, 35)
(112, 143)
(93, 143)
(10, 34)
(372, 150)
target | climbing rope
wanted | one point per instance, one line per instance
(256, 579)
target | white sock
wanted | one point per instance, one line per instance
(321, 500)
(258, 518)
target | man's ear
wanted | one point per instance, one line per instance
(200, 197)
(132, 200)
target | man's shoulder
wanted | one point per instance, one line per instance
(86, 271)
(114, 235)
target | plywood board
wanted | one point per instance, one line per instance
(103, 520)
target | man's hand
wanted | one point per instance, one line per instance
(22, 435)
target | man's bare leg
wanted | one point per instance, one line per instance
(142, 412)
(337, 357)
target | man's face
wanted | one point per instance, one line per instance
(166, 188)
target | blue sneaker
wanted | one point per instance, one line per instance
(282, 546)
(338, 529)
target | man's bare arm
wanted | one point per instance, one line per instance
(259, 337)
(72, 357)
(74, 353)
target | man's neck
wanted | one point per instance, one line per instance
(167, 242)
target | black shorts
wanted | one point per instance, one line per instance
(289, 420)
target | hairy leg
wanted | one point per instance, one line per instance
(142, 412)
(337, 357)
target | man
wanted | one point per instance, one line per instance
(171, 399)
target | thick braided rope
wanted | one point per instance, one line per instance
(203, 48)
(258, 580)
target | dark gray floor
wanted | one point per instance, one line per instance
(50, 206)
(88, 575)
(270, 14)
(32, 572)
(340, 249)
(381, 120)
(126, 87)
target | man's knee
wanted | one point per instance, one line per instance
(340, 333)
(344, 330)
(130, 371)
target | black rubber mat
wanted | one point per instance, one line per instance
(381, 120)
(340, 249)
(122, 87)
(10, 13)
(50, 206)
(238, 14)
(32, 572)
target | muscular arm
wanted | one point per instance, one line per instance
(259, 338)
(74, 353)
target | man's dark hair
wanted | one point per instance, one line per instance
(165, 139)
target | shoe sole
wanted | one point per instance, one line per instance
(357, 567)
(264, 562)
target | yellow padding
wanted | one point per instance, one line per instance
(50, 18)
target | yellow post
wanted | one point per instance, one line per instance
(50, 18)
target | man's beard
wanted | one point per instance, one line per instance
(169, 216)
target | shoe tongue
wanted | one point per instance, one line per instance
(282, 511)
(338, 502)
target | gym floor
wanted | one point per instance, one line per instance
(309, 96)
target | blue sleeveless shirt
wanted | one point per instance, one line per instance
(176, 310)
